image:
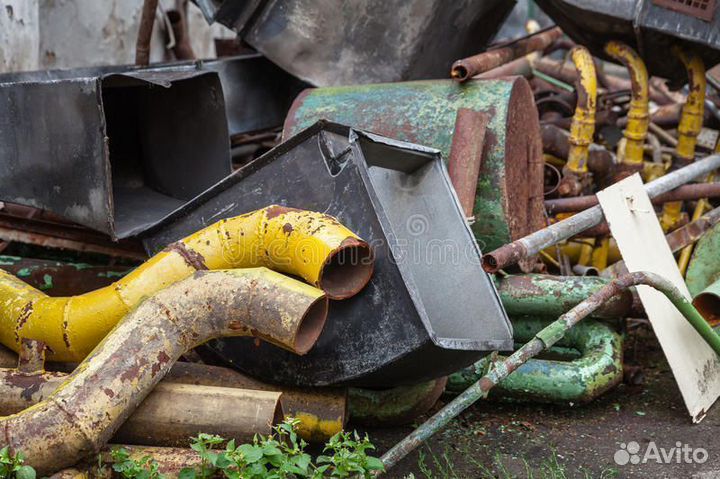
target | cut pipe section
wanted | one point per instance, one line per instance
(313, 246)
(89, 407)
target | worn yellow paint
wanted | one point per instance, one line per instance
(582, 128)
(314, 428)
(638, 114)
(283, 239)
(691, 122)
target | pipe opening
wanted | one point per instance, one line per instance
(489, 263)
(311, 326)
(459, 73)
(707, 304)
(347, 270)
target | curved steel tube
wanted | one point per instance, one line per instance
(582, 128)
(310, 245)
(91, 404)
(638, 114)
(599, 368)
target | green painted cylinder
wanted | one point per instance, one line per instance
(550, 296)
(509, 197)
(598, 369)
(704, 266)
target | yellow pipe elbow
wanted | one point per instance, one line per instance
(313, 246)
(691, 119)
(582, 128)
(638, 112)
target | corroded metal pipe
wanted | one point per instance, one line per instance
(322, 412)
(147, 21)
(87, 409)
(310, 245)
(395, 406)
(546, 338)
(467, 68)
(172, 413)
(580, 380)
(638, 112)
(695, 191)
(582, 128)
(534, 243)
(550, 296)
(556, 141)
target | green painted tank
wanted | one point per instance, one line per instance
(509, 196)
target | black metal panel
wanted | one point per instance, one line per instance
(423, 314)
(648, 27)
(331, 42)
(117, 148)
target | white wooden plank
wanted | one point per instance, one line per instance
(642, 244)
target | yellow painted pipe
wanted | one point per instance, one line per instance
(691, 118)
(313, 246)
(691, 122)
(582, 127)
(638, 113)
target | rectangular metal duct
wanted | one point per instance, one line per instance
(429, 308)
(118, 148)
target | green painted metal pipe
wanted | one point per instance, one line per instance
(509, 197)
(546, 338)
(550, 296)
(395, 406)
(598, 369)
(708, 303)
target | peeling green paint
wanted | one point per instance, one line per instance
(576, 381)
(704, 267)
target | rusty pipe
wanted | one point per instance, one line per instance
(172, 413)
(103, 391)
(555, 140)
(582, 128)
(545, 339)
(322, 413)
(178, 22)
(147, 21)
(638, 113)
(533, 243)
(467, 68)
(691, 192)
(313, 246)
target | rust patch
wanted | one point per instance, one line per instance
(288, 228)
(192, 258)
(162, 359)
(276, 210)
(29, 383)
(109, 392)
(22, 319)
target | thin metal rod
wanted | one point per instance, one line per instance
(543, 340)
(534, 243)
(147, 21)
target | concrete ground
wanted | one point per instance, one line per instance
(504, 440)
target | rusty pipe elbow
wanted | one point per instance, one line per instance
(91, 404)
(638, 113)
(582, 128)
(691, 118)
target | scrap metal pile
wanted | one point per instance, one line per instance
(319, 231)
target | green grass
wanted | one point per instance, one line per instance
(442, 466)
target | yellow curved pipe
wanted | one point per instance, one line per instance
(582, 128)
(691, 122)
(691, 119)
(300, 243)
(638, 113)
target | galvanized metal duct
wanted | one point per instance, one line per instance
(86, 410)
